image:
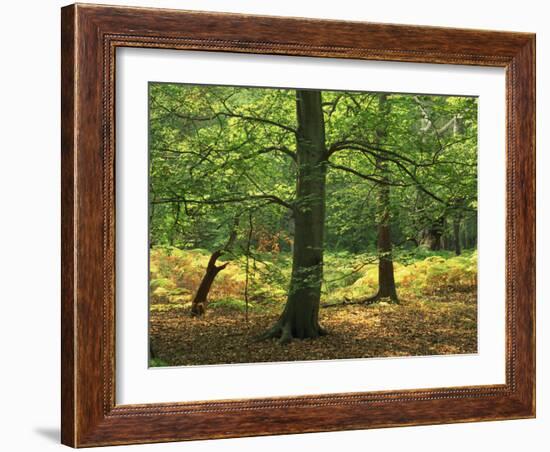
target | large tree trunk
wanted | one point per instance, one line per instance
(300, 318)
(386, 279)
(198, 306)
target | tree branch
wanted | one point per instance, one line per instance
(229, 114)
(283, 149)
(271, 198)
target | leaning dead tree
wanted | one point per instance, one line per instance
(200, 301)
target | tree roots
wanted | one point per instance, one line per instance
(370, 300)
(378, 296)
(284, 332)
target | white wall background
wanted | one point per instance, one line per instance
(29, 228)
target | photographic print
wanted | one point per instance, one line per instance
(299, 224)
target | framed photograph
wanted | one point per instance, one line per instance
(280, 225)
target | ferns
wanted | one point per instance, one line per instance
(175, 275)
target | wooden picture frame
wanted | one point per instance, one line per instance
(90, 36)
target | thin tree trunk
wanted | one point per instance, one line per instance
(248, 242)
(300, 317)
(386, 279)
(434, 234)
(445, 239)
(456, 233)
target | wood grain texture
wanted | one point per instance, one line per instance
(67, 226)
(90, 36)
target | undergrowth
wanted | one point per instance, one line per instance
(175, 275)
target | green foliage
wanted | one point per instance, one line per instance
(218, 152)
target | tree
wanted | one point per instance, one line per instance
(386, 278)
(300, 317)
(198, 306)
(200, 300)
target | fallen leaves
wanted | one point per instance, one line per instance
(428, 326)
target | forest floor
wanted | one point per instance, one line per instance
(437, 313)
(434, 326)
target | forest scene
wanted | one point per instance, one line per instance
(301, 224)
